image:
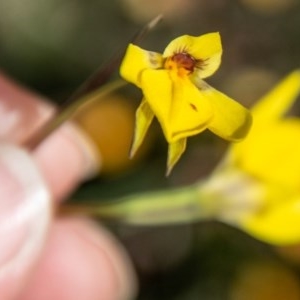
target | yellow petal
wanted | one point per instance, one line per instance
(279, 225)
(207, 49)
(144, 117)
(174, 153)
(279, 100)
(178, 105)
(263, 137)
(272, 153)
(231, 120)
(136, 60)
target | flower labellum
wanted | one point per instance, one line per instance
(175, 93)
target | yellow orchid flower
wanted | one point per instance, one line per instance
(266, 184)
(175, 93)
(255, 188)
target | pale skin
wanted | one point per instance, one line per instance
(78, 259)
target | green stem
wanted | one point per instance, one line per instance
(181, 205)
(64, 113)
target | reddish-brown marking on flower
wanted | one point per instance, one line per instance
(185, 60)
(193, 106)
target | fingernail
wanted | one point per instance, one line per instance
(24, 217)
(67, 157)
(87, 148)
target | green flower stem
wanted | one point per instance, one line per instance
(174, 206)
(228, 196)
(67, 111)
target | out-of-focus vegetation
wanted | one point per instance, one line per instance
(53, 45)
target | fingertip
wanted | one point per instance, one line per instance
(22, 112)
(66, 158)
(25, 215)
(82, 261)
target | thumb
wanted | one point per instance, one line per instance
(24, 218)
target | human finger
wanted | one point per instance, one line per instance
(81, 261)
(25, 213)
(66, 157)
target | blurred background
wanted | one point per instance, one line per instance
(51, 46)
